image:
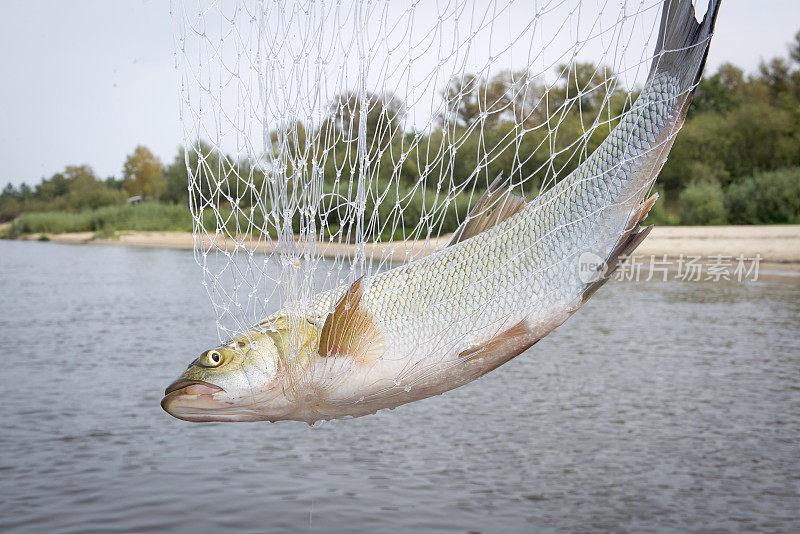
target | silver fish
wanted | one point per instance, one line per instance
(513, 272)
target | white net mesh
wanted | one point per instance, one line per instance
(328, 140)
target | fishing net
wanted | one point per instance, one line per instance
(326, 140)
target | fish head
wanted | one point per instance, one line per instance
(245, 379)
(220, 385)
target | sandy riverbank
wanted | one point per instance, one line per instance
(776, 244)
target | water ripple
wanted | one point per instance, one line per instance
(660, 406)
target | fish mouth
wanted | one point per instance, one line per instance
(192, 400)
(198, 387)
(201, 402)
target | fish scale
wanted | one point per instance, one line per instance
(516, 269)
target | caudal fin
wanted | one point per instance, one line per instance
(682, 45)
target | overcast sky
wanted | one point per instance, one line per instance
(86, 81)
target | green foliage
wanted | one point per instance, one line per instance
(75, 189)
(702, 203)
(772, 197)
(56, 222)
(10, 203)
(739, 125)
(114, 183)
(405, 210)
(143, 174)
(85, 191)
(719, 93)
(727, 147)
(794, 49)
(147, 216)
(58, 185)
(176, 179)
(217, 178)
(586, 82)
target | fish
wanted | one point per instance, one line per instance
(514, 271)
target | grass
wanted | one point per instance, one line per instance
(105, 222)
(150, 216)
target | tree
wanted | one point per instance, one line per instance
(585, 82)
(504, 97)
(143, 174)
(86, 191)
(79, 174)
(10, 205)
(25, 192)
(462, 100)
(727, 147)
(719, 93)
(777, 76)
(794, 48)
(56, 186)
(384, 114)
(112, 182)
(215, 177)
(176, 179)
(8, 192)
(731, 77)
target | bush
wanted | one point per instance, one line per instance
(52, 222)
(10, 208)
(770, 197)
(702, 203)
(726, 148)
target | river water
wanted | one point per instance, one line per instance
(661, 406)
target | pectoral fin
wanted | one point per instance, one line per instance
(350, 330)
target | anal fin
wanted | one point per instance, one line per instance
(628, 243)
(503, 347)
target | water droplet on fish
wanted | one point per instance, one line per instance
(397, 382)
(407, 388)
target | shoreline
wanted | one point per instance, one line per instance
(777, 245)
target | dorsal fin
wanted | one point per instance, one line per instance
(350, 330)
(496, 205)
(627, 244)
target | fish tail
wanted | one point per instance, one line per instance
(680, 56)
(682, 46)
(646, 134)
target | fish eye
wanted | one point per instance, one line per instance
(211, 358)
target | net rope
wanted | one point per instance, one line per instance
(326, 140)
